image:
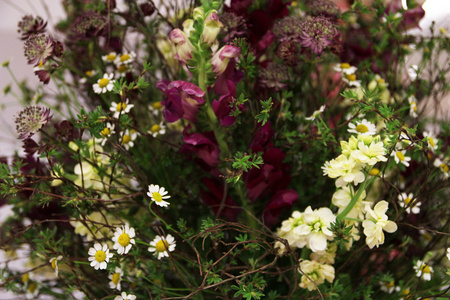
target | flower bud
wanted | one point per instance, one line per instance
(211, 28)
(222, 57)
(188, 27)
(182, 44)
(198, 14)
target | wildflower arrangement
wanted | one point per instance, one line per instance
(261, 149)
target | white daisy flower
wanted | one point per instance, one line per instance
(116, 278)
(88, 74)
(125, 58)
(413, 72)
(155, 108)
(363, 128)
(408, 201)
(443, 165)
(105, 84)
(124, 296)
(350, 79)
(162, 246)
(423, 270)
(432, 140)
(157, 194)
(120, 108)
(413, 106)
(99, 256)
(54, 263)
(123, 239)
(128, 138)
(122, 70)
(345, 68)
(387, 286)
(106, 133)
(157, 129)
(399, 156)
(32, 290)
(109, 58)
(316, 113)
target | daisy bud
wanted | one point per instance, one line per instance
(222, 57)
(211, 28)
(183, 46)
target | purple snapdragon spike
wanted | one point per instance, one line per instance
(203, 145)
(29, 26)
(211, 28)
(183, 100)
(282, 199)
(222, 107)
(39, 48)
(222, 57)
(182, 44)
(31, 120)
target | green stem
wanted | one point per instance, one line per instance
(355, 198)
(158, 217)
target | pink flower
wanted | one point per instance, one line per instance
(222, 57)
(203, 145)
(182, 44)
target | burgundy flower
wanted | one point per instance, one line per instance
(90, 25)
(39, 48)
(233, 26)
(274, 76)
(318, 33)
(30, 147)
(287, 28)
(29, 25)
(183, 100)
(66, 130)
(214, 197)
(43, 75)
(31, 120)
(282, 199)
(262, 138)
(222, 107)
(203, 145)
(411, 17)
(325, 8)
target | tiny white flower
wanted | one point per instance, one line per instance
(443, 165)
(388, 286)
(162, 246)
(122, 70)
(157, 129)
(399, 156)
(106, 133)
(89, 74)
(128, 138)
(105, 84)
(350, 79)
(408, 201)
(345, 68)
(109, 58)
(158, 194)
(120, 108)
(123, 239)
(54, 263)
(432, 140)
(156, 108)
(32, 290)
(116, 278)
(363, 128)
(413, 106)
(413, 72)
(124, 296)
(316, 113)
(423, 270)
(125, 58)
(99, 256)
(377, 221)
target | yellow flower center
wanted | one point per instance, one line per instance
(157, 105)
(374, 172)
(444, 168)
(362, 128)
(105, 132)
(122, 68)
(350, 77)
(103, 82)
(132, 131)
(124, 239)
(426, 269)
(345, 66)
(88, 73)
(115, 278)
(41, 64)
(443, 30)
(390, 284)
(100, 256)
(380, 80)
(25, 278)
(124, 57)
(111, 57)
(405, 292)
(414, 106)
(32, 287)
(407, 200)
(54, 263)
(400, 156)
(155, 128)
(126, 139)
(121, 106)
(157, 196)
(431, 141)
(162, 246)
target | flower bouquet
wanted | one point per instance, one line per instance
(261, 149)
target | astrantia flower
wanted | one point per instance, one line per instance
(363, 128)
(120, 108)
(99, 256)
(162, 246)
(123, 239)
(317, 274)
(274, 76)
(30, 25)
(431, 139)
(377, 221)
(323, 8)
(316, 113)
(128, 138)
(318, 33)
(158, 194)
(105, 84)
(90, 24)
(399, 156)
(157, 129)
(413, 106)
(351, 80)
(110, 57)
(345, 68)
(31, 120)
(125, 58)
(124, 296)
(54, 263)
(39, 48)
(116, 278)
(408, 201)
(423, 270)
(233, 26)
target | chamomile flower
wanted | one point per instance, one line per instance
(99, 256)
(122, 70)
(157, 129)
(431, 139)
(89, 74)
(32, 290)
(413, 72)
(443, 165)
(110, 57)
(350, 79)
(316, 113)
(363, 128)
(413, 106)
(156, 108)
(345, 68)
(120, 108)
(387, 286)
(158, 194)
(106, 133)
(125, 58)
(128, 138)
(116, 278)
(423, 270)
(124, 296)
(399, 156)
(123, 239)
(408, 201)
(54, 263)
(105, 84)
(162, 246)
